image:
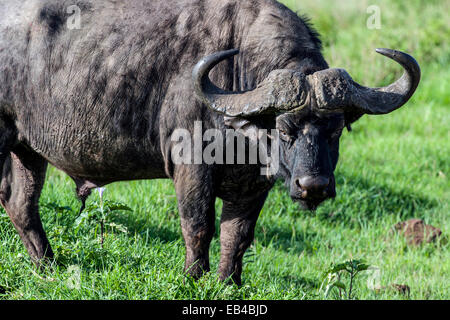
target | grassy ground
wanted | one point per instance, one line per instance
(392, 168)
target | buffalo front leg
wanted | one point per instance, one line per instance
(22, 180)
(237, 227)
(195, 195)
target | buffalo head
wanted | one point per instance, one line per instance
(311, 112)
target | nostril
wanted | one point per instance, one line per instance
(310, 183)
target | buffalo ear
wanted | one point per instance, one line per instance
(351, 117)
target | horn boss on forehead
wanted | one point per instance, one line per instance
(334, 89)
(286, 90)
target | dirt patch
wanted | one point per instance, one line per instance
(401, 288)
(397, 288)
(416, 231)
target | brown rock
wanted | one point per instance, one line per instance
(416, 231)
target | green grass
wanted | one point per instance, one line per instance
(391, 168)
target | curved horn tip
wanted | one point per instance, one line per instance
(222, 55)
(394, 54)
(399, 56)
(203, 86)
(396, 94)
(207, 63)
(232, 51)
(386, 51)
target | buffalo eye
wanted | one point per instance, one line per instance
(285, 136)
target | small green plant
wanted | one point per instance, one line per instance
(333, 277)
(101, 213)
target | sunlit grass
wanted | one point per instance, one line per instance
(391, 168)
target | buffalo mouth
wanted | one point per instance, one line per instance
(312, 204)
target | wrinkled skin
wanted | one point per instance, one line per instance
(310, 148)
(101, 103)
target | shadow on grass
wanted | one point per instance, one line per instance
(359, 200)
(2, 290)
(144, 227)
(87, 250)
(370, 201)
(92, 257)
(283, 238)
(301, 282)
(365, 200)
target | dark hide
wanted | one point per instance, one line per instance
(100, 103)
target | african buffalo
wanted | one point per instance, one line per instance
(100, 102)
